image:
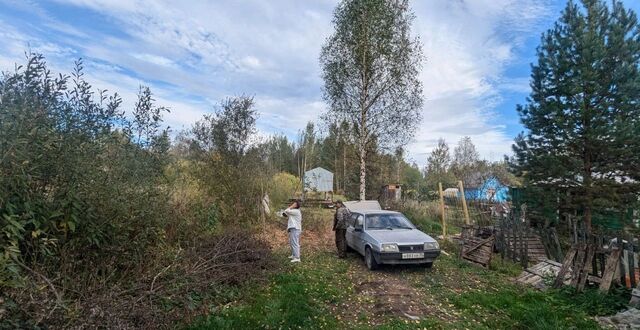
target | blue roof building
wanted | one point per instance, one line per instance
(491, 190)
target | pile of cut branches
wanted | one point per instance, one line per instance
(174, 290)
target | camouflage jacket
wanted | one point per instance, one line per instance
(342, 218)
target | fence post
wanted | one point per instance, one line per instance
(444, 221)
(467, 221)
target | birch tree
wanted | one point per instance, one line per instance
(370, 70)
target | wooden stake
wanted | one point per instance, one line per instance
(610, 270)
(444, 222)
(568, 260)
(584, 273)
(467, 221)
(578, 266)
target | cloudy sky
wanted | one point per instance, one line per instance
(194, 53)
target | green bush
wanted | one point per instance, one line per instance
(423, 216)
(283, 186)
(78, 181)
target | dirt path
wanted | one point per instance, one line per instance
(378, 295)
(386, 293)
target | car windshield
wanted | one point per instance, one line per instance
(388, 221)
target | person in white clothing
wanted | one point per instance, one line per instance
(294, 227)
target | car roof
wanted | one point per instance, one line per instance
(368, 212)
(361, 206)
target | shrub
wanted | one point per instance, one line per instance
(283, 186)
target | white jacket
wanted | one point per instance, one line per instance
(295, 218)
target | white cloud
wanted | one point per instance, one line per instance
(154, 59)
(468, 45)
(195, 53)
(251, 62)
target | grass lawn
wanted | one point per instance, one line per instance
(324, 292)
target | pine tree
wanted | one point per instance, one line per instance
(582, 117)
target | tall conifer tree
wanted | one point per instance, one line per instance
(582, 117)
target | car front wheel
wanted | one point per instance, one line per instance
(370, 260)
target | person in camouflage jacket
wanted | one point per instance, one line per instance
(340, 222)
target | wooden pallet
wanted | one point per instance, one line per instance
(549, 270)
(536, 251)
(478, 250)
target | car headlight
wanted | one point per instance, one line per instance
(390, 248)
(431, 246)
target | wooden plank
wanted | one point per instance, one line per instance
(479, 244)
(464, 203)
(482, 250)
(568, 261)
(584, 273)
(557, 244)
(444, 222)
(578, 265)
(630, 262)
(610, 270)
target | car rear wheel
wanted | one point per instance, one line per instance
(369, 259)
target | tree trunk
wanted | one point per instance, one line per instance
(363, 172)
(336, 162)
(588, 195)
(344, 168)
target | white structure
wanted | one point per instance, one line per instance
(451, 192)
(363, 205)
(318, 179)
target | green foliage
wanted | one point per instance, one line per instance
(465, 161)
(425, 216)
(581, 116)
(75, 182)
(280, 154)
(438, 168)
(592, 302)
(228, 166)
(370, 70)
(514, 308)
(297, 298)
(283, 187)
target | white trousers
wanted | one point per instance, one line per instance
(294, 241)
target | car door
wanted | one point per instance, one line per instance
(349, 234)
(358, 233)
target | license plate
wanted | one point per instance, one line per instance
(412, 255)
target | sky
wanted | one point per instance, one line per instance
(193, 54)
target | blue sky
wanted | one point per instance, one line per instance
(194, 53)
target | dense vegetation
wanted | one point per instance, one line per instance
(106, 220)
(580, 151)
(96, 198)
(452, 295)
(99, 211)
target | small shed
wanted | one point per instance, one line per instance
(318, 179)
(390, 195)
(451, 193)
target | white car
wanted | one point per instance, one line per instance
(388, 237)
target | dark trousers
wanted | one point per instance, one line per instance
(341, 242)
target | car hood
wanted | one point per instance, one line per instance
(400, 236)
